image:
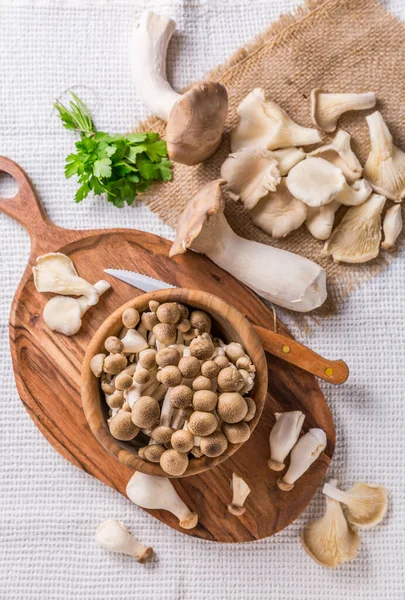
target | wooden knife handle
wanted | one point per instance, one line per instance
(333, 371)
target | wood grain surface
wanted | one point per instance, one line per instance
(47, 368)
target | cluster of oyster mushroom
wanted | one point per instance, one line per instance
(167, 380)
(283, 187)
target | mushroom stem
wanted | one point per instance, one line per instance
(112, 535)
(148, 49)
(241, 491)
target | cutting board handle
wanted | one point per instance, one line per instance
(24, 207)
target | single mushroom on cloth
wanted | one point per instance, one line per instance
(327, 108)
(195, 119)
(282, 277)
(366, 503)
(113, 535)
(264, 124)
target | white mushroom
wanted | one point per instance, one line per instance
(327, 108)
(330, 541)
(315, 181)
(366, 503)
(279, 212)
(340, 154)
(55, 272)
(134, 342)
(250, 173)
(385, 165)
(392, 226)
(320, 219)
(241, 491)
(196, 119)
(304, 453)
(292, 281)
(355, 194)
(113, 535)
(283, 437)
(158, 493)
(287, 158)
(264, 124)
(64, 314)
(357, 237)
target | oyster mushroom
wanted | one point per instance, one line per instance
(366, 503)
(340, 154)
(158, 493)
(330, 541)
(385, 165)
(357, 237)
(283, 437)
(327, 108)
(355, 194)
(264, 124)
(279, 213)
(315, 181)
(284, 278)
(113, 535)
(241, 491)
(196, 119)
(392, 226)
(320, 219)
(304, 453)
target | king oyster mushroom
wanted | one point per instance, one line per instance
(284, 278)
(195, 119)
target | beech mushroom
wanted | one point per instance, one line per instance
(230, 380)
(112, 535)
(133, 342)
(292, 281)
(366, 503)
(248, 381)
(145, 412)
(236, 433)
(231, 407)
(153, 452)
(147, 358)
(166, 357)
(205, 400)
(327, 108)
(264, 124)
(283, 437)
(170, 376)
(392, 227)
(180, 396)
(97, 366)
(201, 383)
(210, 369)
(158, 493)
(340, 154)
(221, 361)
(115, 400)
(279, 213)
(385, 165)
(330, 541)
(320, 219)
(251, 409)
(174, 462)
(123, 381)
(182, 441)
(130, 318)
(201, 347)
(241, 491)
(234, 351)
(149, 320)
(357, 237)
(315, 181)
(142, 375)
(115, 363)
(200, 320)
(165, 333)
(168, 312)
(213, 445)
(189, 367)
(202, 423)
(64, 314)
(122, 427)
(196, 119)
(304, 453)
(162, 434)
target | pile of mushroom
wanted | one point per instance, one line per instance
(283, 187)
(167, 380)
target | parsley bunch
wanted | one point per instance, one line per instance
(120, 166)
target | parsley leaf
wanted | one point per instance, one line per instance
(120, 166)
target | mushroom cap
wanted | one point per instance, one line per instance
(251, 409)
(243, 362)
(126, 407)
(142, 376)
(113, 345)
(97, 364)
(183, 326)
(162, 434)
(196, 123)
(123, 381)
(149, 319)
(214, 445)
(200, 320)
(145, 412)
(202, 423)
(230, 380)
(108, 388)
(130, 318)
(174, 462)
(202, 348)
(233, 351)
(153, 305)
(189, 366)
(182, 440)
(201, 383)
(115, 363)
(210, 369)
(180, 396)
(170, 376)
(122, 427)
(167, 356)
(168, 312)
(165, 333)
(153, 452)
(115, 400)
(63, 315)
(147, 358)
(184, 312)
(205, 400)
(236, 433)
(204, 205)
(186, 412)
(315, 181)
(221, 361)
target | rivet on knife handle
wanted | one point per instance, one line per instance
(334, 371)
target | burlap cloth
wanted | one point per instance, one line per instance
(338, 45)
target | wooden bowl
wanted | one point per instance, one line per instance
(228, 322)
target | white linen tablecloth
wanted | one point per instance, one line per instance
(49, 510)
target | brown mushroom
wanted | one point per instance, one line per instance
(230, 380)
(123, 381)
(189, 335)
(149, 320)
(165, 333)
(115, 363)
(202, 423)
(107, 387)
(189, 366)
(174, 462)
(126, 407)
(231, 407)
(233, 351)
(214, 445)
(122, 427)
(243, 362)
(221, 361)
(116, 399)
(183, 325)
(200, 320)
(201, 347)
(182, 440)
(141, 452)
(162, 434)
(130, 318)
(167, 356)
(168, 313)
(142, 376)
(205, 400)
(147, 358)
(186, 412)
(145, 412)
(236, 433)
(210, 369)
(201, 383)
(113, 345)
(153, 305)
(170, 376)
(153, 452)
(251, 409)
(180, 396)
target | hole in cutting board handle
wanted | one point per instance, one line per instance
(8, 186)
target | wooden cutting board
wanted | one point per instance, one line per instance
(47, 370)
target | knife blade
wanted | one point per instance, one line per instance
(142, 282)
